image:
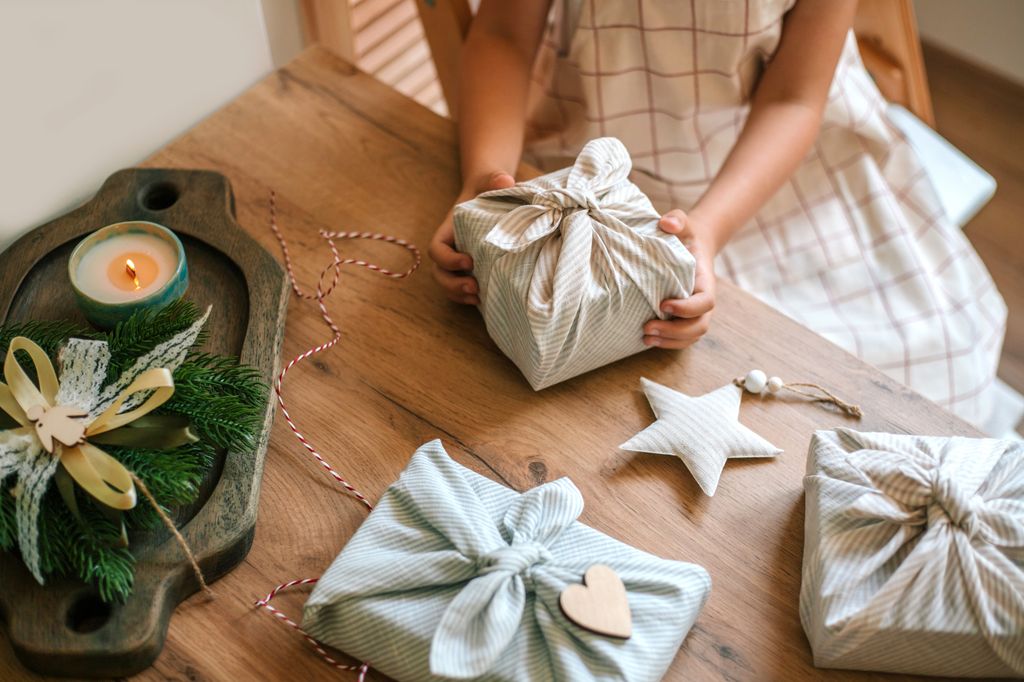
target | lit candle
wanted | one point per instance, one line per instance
(126, 267)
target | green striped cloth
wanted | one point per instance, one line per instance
(571, 265)
(454, 576)
(914, 554)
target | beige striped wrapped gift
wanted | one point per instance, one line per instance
(914, 554)
(571, 265)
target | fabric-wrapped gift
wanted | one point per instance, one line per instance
(571, 265)
(914, 554)
(454, 576)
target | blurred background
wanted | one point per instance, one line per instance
(95, 85)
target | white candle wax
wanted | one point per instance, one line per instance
(104, 273)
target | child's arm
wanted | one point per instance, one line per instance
(496, 63)
(785, 117)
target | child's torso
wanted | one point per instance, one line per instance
(670, 79)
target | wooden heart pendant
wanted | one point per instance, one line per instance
(600, 604)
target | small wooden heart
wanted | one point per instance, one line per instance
(600, 604)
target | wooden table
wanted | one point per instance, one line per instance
(345, 152)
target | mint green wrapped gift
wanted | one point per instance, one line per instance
(454, 576)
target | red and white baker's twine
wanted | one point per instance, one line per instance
(265, 603)
(320, 295)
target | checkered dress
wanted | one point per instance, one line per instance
(855, 245)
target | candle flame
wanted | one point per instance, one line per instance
(129, 267)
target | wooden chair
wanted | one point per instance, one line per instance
(889, 45)
(329, 23)
(886, 31)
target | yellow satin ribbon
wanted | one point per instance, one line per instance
(94, 470)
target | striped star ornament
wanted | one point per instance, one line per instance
(702, 431)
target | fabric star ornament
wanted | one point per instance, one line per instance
(702, 431)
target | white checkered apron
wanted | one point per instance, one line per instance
(855, 245)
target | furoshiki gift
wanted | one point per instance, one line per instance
(571, 265)
(914, 554)
(454, 576)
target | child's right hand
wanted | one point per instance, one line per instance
(451, 268)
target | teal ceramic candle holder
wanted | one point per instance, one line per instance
(99, 306)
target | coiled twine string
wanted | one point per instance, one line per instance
(320, 296)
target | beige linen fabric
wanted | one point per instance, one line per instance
(571, 265)
(914, 554)
(855, 245)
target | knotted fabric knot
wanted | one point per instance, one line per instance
(544, 209)
(566, 198)
(959, 506)
(514, 559)
(936, 516)
(502, 568)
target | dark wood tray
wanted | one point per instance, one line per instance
(64, 628)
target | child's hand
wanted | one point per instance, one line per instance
(451, 268)
(691, 316)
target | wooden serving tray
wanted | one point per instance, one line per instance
(64, 628)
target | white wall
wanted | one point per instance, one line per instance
(284, 29)
(987, 32)
(90, 86)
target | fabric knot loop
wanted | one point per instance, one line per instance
(959, 506)
(567, 198)
(484, 616)
(550, 212)
(943, 514)
(542, 208)
(514, 559)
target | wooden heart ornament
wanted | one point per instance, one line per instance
(600, 604)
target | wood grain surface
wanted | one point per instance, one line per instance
(344, 152)
(64, 628)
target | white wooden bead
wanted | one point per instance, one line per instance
(755, 381)
(775, 384)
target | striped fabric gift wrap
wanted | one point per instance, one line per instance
(914, 554)
(454, 576)
(571, 265)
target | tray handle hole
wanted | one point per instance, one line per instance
(159, 196)
(88, 614)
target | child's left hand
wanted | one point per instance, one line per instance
(691, 316)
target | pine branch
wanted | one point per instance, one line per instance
(145, 330)
(8, 527)
(49, 334)
(87, 549)
(224, 402)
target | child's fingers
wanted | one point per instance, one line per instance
(672, 222)
(677, 334)
(679, 329)
(671, 344)
(701, 303)
(455, 285)
(497, 180)
(448, 258)
(460, 288)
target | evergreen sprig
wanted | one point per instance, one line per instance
(224, 402)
